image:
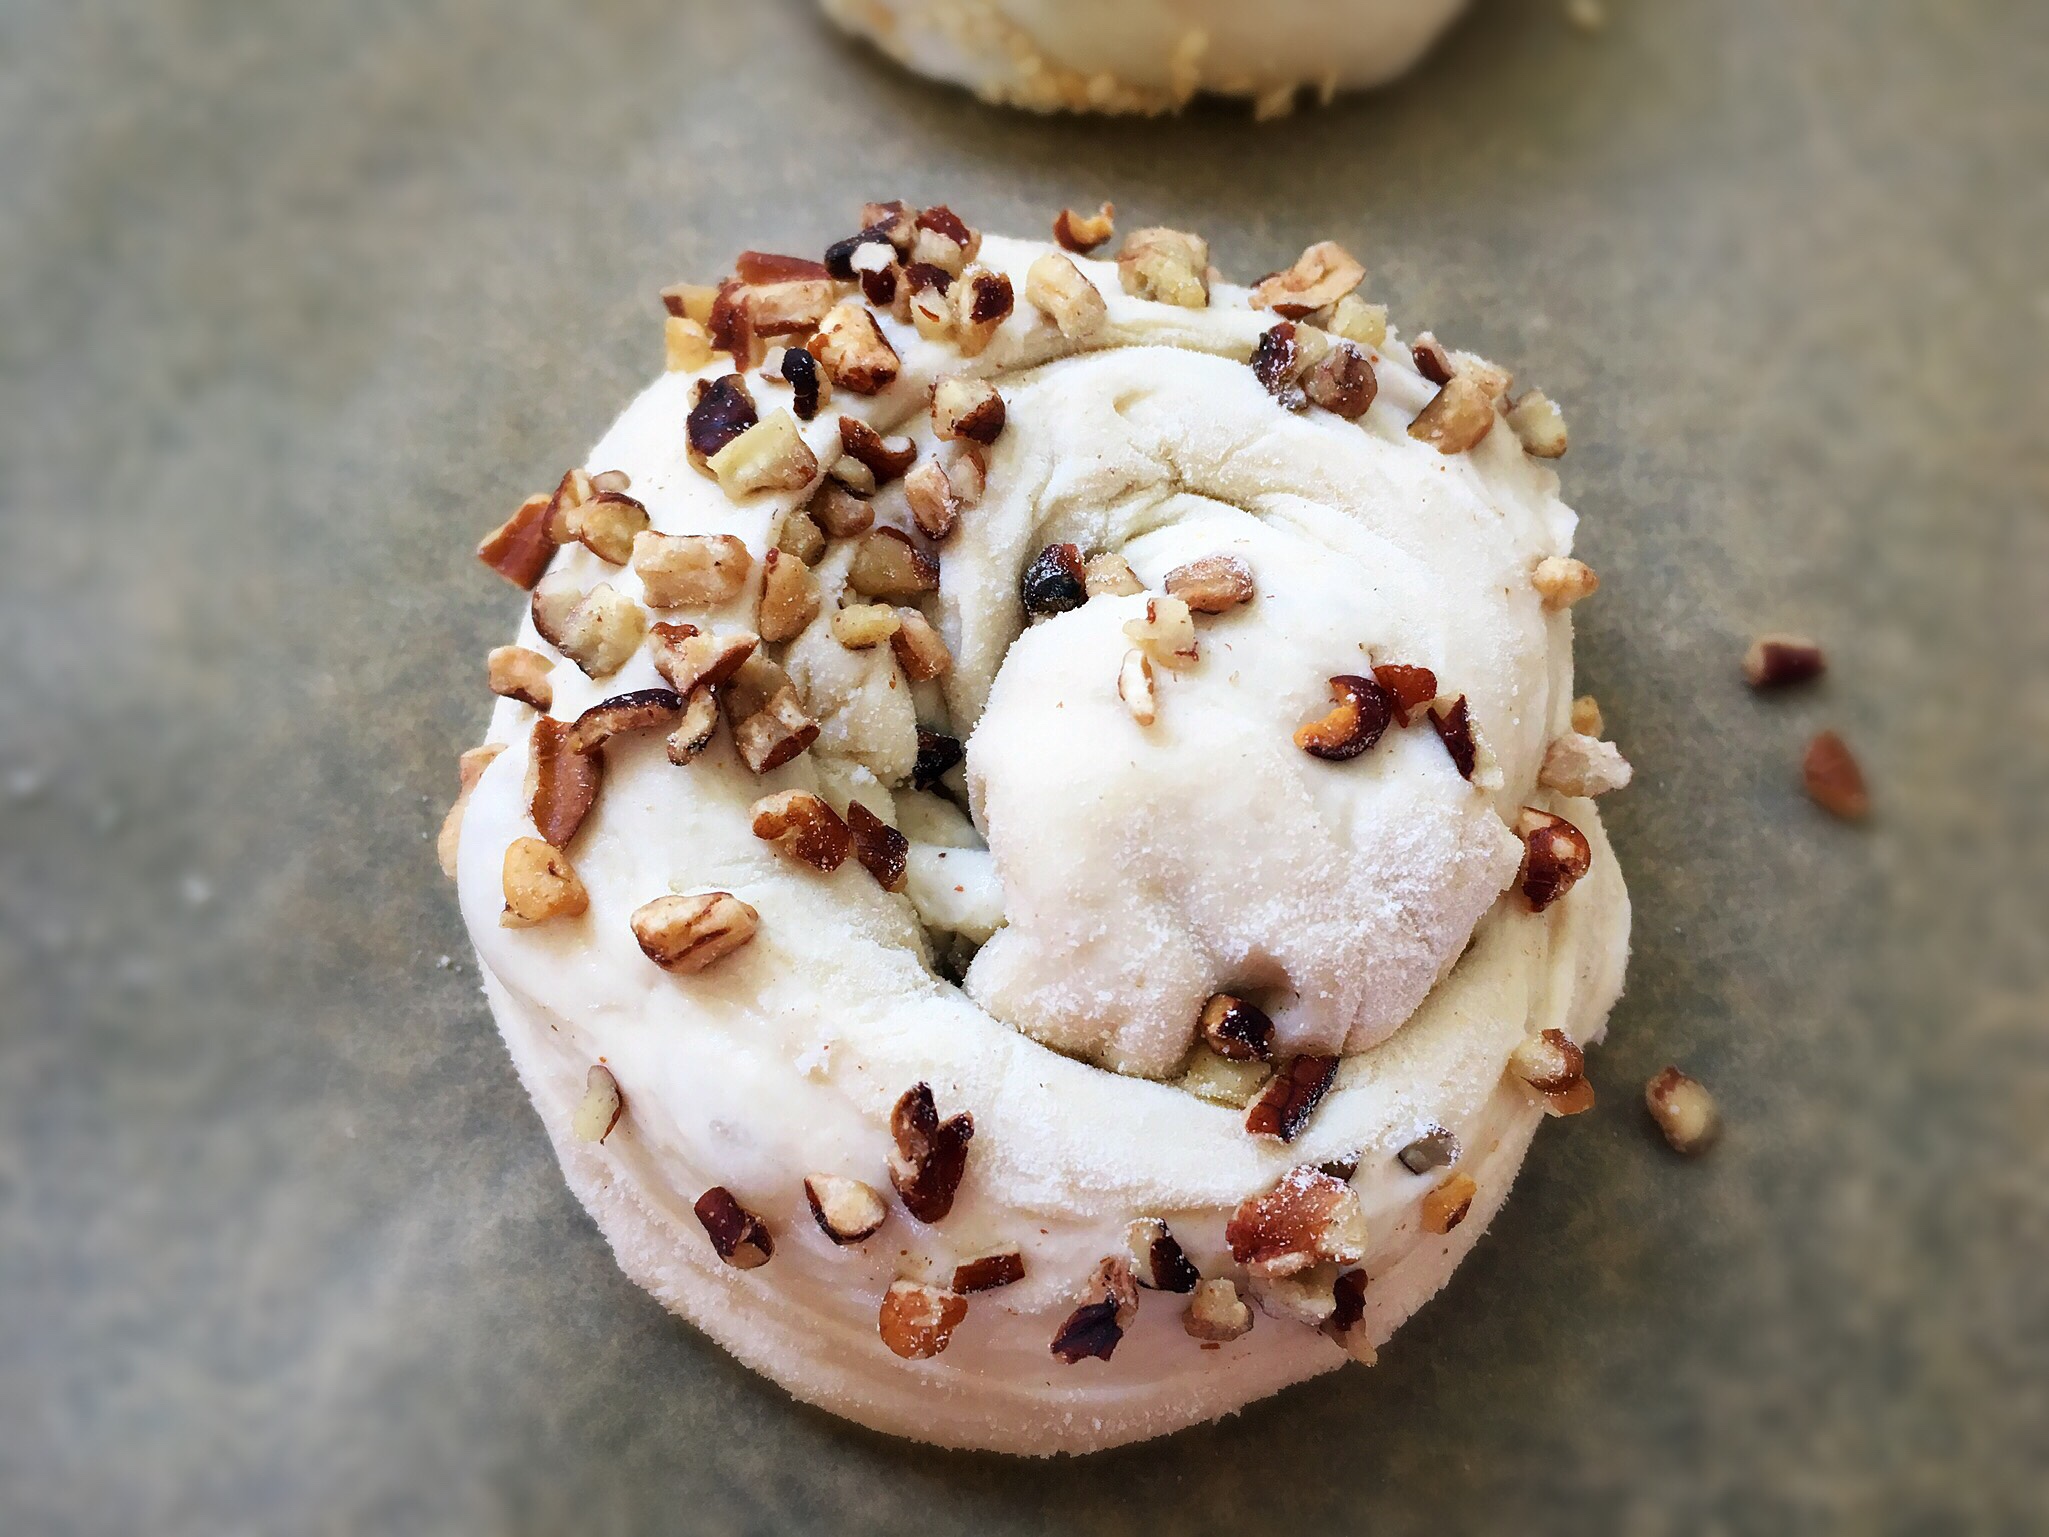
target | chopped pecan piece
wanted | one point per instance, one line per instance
(1555, 855)
(1586, 716)
(1136, 688)
(1773, 661)
(741, 1238)
(840, 513)
(1307, 1219)
(1212, 584)
(770, 736)
(935, 507)
(600, 631)
(883, 851)
(937, 754)
(1353, 319)
(1056, 288)
(686, 345)
(1321, 276)
(1082, 233)
(539, 884)
(1166, 633)
(856, 355)
(1291, 1098)
(1055, 581)
(520, 548)
(917, 1321)
(1355, 722)
(790, 308)
(1276, 359)
(1409, 688)
(690, 301)
(798, 535)
(982, 301)
(887, 565)
(600, 1108)
(1237, 1029)
(942, 239)
(1094, 1328)
(1572, 1101)
(1165, 265)
(517, 673)
(966, 408)
(804, 827)
(1549, 1061)
(1218, 1080)
(720, 410)
(920, 649)
(1539, 426)
(1217, 1314)
(769, 456)
(562, 784)
(789, 597)
(1834, 781)
(846, 1210)
(688, 934)
(469, 768)
(879, 273)
(1684, 1110)
(1348, 1311)
(1433, 360)
(647, 709)
(892, 220)
(1458, 417)
(729, 326)
(691, 660)
(770, 267)
(931, 1154)
(1110, 576)
(840, 255)
(1445, 1207)
(1455, 729)
(861, 626)
(1157, 1260)
(695, 730)
(1435, 1149)
(887, 457)
(1583, 765)
(807, 384)
(1562, 581)
(1342, 382)
(1005, 1267)
(605, 525)
(690, 570)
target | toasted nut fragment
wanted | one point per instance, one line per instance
(1322, 275)
(539, 884)
(1834, 781)
(1773, 661)
(469, 769)
(798, 536)
(553, 601)
(1110, 576)
(771, 736)
(1356, 721)
(1006, 1267)
(1572, 1101)
(856, 355)
(1276, 360)
(720, 410)
(769, 456)
(1353, 319)
(864, 625)
(804, 827)
(1094, 1328)
(1157, 1260)
(920, 649)
(1216, 1314)
(690, 301)
(1586, 716)
(942, 239)
(741, 1238)
(1684, 1110)
(686, 345)
(1433, 359)
(982, 301)
(879, 274)
(562, 784)
(1455, 729)
(1342, 382)
(1135, 687)
(1307, 1219)
(925, 302)
(1445, 1207)
(840, 513)
(772, 267)
(789, 597)
(918, 1321)
(887, 565)
(605, 525)
(888, 458)
(1166, 633)
(1457, 418)
(1082, 233)
(847, 1211)
(1165, 265)
(1055, 581)
(520, 548)
(1583, 765)
(883, 851)
(966, 408)
(1305, 1297)
(600, 1108)
(574, 489)
(891, 220)
(1220, 1081)
(808, 387)
(646, 709)
(1297, 1089)
(839, 256)
(517, 673)
(700, 722)
(1549, 1061)
(791, 308)
(1408, 688)
(937, 755)
(690, 660)
(1237, 1028)
(1555, 855)
(934, 507)
(931, 1155)
(1435, 1149)
(602, 631)
(1211, 585)
(1562, 581)
(1539, 425)
(730, 327)
(688, 934)
(1056, 288)
(690, 570)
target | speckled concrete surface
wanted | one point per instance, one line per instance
(297, 299)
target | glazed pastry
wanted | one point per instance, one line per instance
(1149, 55)
(1034, 854)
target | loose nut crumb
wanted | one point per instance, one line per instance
(1409, 689)
(1549, 1061)
(769, 456)
(1445, 1207)
(846, 1210)
(1216, 1313)
(1213, 584)
(720, 410)
(1167, 266)
(1322, 275)
(917, 1321)
(934, 506)
(1539, 425)
(688, 934)
(469, 768)
(1834, 781)
(741, 1238)
(1454, 728)
(937, 755)
(1458, 417)
(1562, 581)
(1555, 855)
(1056, 288)
(789, 597)
(1006, 1267)
(1082, 233)
(1353, 319)
(1583, 765)
(646, 709)
(1684, 1110)
(1093, 1329)
(600, 1108)
(966, 408)
(883, 851)
(1237, 1029)
(517, 673)
(1110, 576)
(1774, 661)
(981, 302)
(1586, 716)
(804, 827)
(1055, 581)
(690, 570)
(1157, 1260)
(920, 649)
(690, 660)
(1355, 722)
(888, 458)
(887, 565)
(1166, 633)
(562, 784)
(1135, 687)
(686, 345)
(520, 548)
(539, 884)
(1573, 1101)
(864, 625)
(1298, 1087)
(1218, 1080)
(840, 513)
(1435, 1149)
(856, 355)
(931, 1154)
(1307, 1219)
(1342, 382)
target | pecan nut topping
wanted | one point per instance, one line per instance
(1555, 855)
(931, 1154)
(741, 1238)
(1285, 1106)
(1358, 720)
